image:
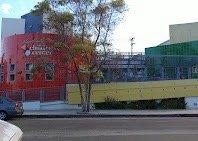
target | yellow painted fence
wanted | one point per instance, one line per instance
(130, 91)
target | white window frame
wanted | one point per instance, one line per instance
(1, 78)
(26, 67)
(30, 76)
(10, 68)
(46, 72)
(10, 77)
(28, 71)
(49, 79)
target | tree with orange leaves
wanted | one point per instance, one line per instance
(90, 23)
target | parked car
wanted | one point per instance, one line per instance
(9, 108)
(9, 132)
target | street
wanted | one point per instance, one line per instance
(108, 129)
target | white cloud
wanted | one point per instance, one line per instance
(148, 21)
(38, 0)
(6, 8)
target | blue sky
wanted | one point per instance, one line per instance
(15, 8)
(146, 20)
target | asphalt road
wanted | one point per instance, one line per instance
(109, 129)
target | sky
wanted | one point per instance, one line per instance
(147, 21)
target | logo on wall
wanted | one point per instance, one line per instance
(27, 52)
(195, 69)
(36, 49)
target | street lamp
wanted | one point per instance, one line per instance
(132, 43)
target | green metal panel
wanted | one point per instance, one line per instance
(181, 55)
(187, 48)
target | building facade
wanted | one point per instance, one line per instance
(124, 67)
(26, 47)
(176, 58)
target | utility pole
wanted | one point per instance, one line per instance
(132, 43)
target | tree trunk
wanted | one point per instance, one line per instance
(85, 102)
(89, 97)
(84, 107)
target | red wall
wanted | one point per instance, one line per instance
(14, 53)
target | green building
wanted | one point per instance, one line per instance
(176, 58)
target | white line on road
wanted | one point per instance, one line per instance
(94, 133)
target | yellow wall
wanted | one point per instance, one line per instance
(129, 91)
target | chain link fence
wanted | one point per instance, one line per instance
(38, 94)
(122, 68)
(138, 68)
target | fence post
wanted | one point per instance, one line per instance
(178, 73)
(4, 94)
(189, 72)
(23, 95)
(65, 92)
(61, 93)
(108, 75)
(7, 94)
(162, 73)
(127, 76)
(41, 95)
(145, 73)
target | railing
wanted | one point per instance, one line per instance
(125, 55)
(151, 68)
(38, 94)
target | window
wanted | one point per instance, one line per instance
(1, 68)
(12, 67)
(12, 72)
(28, 76)
(12, 77)
(1, 74)
(49, 76)
(28, 67)
(194, 70)
(49, 67)
(49, 71)
(1, 78)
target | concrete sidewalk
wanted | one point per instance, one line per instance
(110, 113)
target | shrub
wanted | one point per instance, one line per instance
(172, 103)
(111, 103)
(142, 105)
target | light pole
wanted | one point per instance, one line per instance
(132, 43)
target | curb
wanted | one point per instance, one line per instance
(107, 116)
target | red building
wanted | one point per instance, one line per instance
(25, 52)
